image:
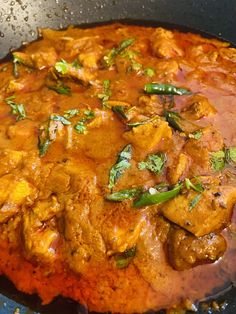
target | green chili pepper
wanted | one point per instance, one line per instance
(165, 89)
(157, 198)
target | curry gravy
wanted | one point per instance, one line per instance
(147, 113)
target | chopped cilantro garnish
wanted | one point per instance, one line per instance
(16, 109)
(154, 163)
(108, 59)
(62, 119)
(106, 94)
(80, 127)
(62, 66)
(71, 113)
(149, 72)
(218, 160)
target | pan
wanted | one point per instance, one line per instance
(19, 20)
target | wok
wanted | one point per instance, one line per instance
(19, 20)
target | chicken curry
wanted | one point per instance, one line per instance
(117, 168)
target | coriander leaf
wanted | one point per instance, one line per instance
(194, 201)
(123, 195)
(197, 134)
(71, 113)
(80, 127)
(62, 66)
(108, 59)
(136, 66)
(230, 155)
(154, 163)
(106, 91)
(149, 72)
(63, 120)
(218, 160)
(16, 109)
(122, 163)
(196, 187)
(123, 259)
(89, 114)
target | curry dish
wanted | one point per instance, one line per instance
(117, 168)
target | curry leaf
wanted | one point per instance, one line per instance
(60, 89)
(123, 259)
(122, 163)
(194, 201)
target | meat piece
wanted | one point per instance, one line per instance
(13, 193)
(84, 244)
(198, 107)
(24, 134)
(150, 105)
(209, 212)
(164, 44)
(149, 135)
(179, 168)
(199, 150)
(166, 68)
(40, 235)
(186, 251)
(58, 180)
(228, 54)
(90, 59)
(10, 159)
(44, 58)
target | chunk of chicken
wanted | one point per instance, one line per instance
(164, 44)
(199, 150)
(10, 159)
(209, 212)
(40, 235)
(13, 193)
(84, 244)
(44, 58)
(149, 135)
(90, 59)
(186, 251)
(179, 168)
(198, 107)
